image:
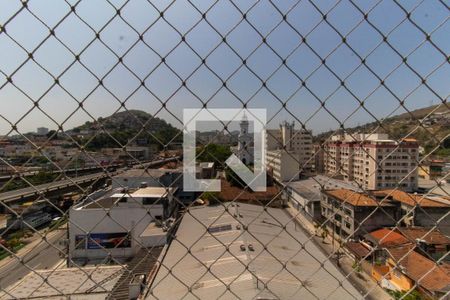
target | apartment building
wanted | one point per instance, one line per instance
(289, 151)
(373, 161)
(282, 165)
(351, 213)
(319, 157)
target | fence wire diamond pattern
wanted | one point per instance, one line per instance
(98, 210)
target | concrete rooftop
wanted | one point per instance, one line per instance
(209, 267)
(64, 283)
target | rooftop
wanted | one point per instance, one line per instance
(86, 282)
(310, 188)
(275, 269)
(113, 197)
(386, 237)
(429, 236)
(153, 230)
(154, 173)
(355, 198)
(153, 192)
(421, 269)
(357, 249)
(411, 199)
(206, 165)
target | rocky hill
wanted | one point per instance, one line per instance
(130, 125)
(127, 120)
(436, 127)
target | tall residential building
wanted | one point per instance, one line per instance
(282, 165)
(289, 152)
(373, 161)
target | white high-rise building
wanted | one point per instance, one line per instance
(289, 152)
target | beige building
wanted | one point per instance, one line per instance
(290, 144)
(319, 157)
(282, 165)
(373, 161)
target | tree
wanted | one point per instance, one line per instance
(52, 134)
(413, 295)
(214, 153)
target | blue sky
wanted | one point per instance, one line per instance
(243, 41)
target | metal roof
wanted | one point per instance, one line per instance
(86, 283)
(278, 261)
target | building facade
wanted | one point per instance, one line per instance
(319, 157)
(282, 165)
(352, 214)
(373, 161)
(118, 224)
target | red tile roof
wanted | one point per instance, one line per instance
(387, 237)
(410, 199)
(358, 249)
(446, 267)
(429, 236)
(422, 270)
(354, 198)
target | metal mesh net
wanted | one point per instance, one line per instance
(356, 142)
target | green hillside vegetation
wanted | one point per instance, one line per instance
(126, 125)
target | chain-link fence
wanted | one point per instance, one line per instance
(356, 149)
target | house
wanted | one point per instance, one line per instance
(407, 269)
(305, 197)
(431, 242)
(431, 169)
(396, 259)
(420, 210)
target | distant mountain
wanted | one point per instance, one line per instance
(130, 125)
(436, 127)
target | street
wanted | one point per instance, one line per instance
(42, 256)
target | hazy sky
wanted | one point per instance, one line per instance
(159, 38)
